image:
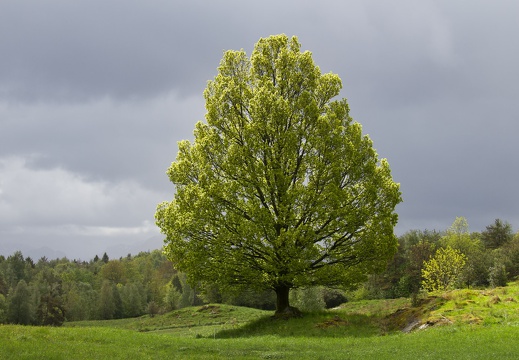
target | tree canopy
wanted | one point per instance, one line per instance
(279, 189)
(497, 234)
(443, 270)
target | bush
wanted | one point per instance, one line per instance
(333, 297)
(172, 298)
(497, 275)
(3, 309)
(443, 271)
(308, 299)
(258, 299)
(152, 308)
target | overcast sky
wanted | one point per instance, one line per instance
(94, 96)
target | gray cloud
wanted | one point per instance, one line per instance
(76, 51)
(103, 139)
(94, 96)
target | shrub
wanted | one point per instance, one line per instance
(308, 299)
(443, 270)
(333, 297)
(152, 309)
(497, 275)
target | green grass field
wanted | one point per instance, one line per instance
(462, 324)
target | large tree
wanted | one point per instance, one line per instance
(279, 188)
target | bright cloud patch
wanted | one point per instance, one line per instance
(55, 201)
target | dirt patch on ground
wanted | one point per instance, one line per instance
(412, 318)
(495, 299)
(212, 309)
(335, 322)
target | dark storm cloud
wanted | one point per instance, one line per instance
(94, 96)
(75, 51)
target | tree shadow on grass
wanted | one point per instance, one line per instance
(322, 324)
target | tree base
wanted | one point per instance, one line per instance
(288, 313)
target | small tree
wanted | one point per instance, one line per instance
(497, 275)
(152, 309)
(443, 270)
(20, 309)
(172, 297)
(279, 189)
(107, 305)
(497, 234)
(458, 237)
(132, 300)
(510, 255)
(3, 309)
(15, 270)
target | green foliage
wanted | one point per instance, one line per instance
(172, 297)
(107, 304)
(50, 310)
(81, 302)
(510, 255)
(497, 275)
(333, 297)
(47, 294)
(152, 308)
(476, 270)
(113, 271)
(15, 269)
(443, 270)
(309, 299)
(3, 309)
(403, 274)
(459, 238)
(133, 301)
(259, 299)
(497, 234)
(73, 288)
(4, 288)
(61, 289)
(20, 309)
(279, 189)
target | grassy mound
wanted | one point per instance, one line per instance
(198, 321)
(499, 306)
(481, 324)
(357, 319)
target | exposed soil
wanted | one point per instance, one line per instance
(335, 322)
(212, 309)
(288, 313)
(412, 318)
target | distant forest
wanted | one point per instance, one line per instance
(49, 292)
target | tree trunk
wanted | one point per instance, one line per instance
(282, 302)
(283, 308)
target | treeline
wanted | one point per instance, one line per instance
(455, 258)
(49, 292)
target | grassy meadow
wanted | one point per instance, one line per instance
(460, 324)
